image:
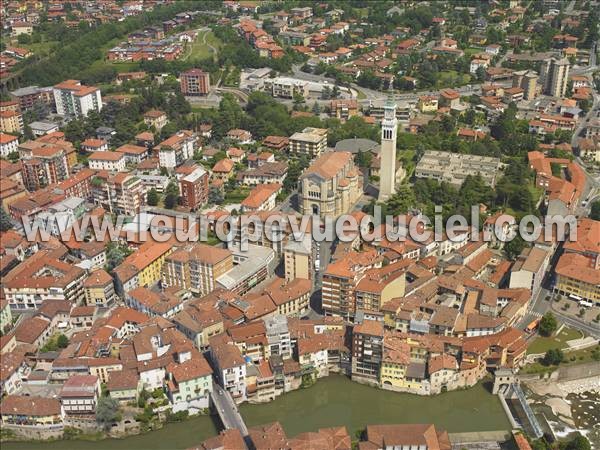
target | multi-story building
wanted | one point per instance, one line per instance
(343, 109)
(290, 297)
(526, 80)
(367, 350)
(194, 82)
(31, 411)
(298, 259)
(175, 150)
(576, 278)
(43, 165)
(196, 267)
(121, 193)
(11, 121)
(268, 172)
(453, 168)
(554, 76)
(99, 289)
(194, 188)
(79, 394)
(230, 367)
(261, 198)
(107, 161)
(190, 384)
(73, 99)
(529, 269)
(286, 87)
(340, 280)
(330, 186)
(8, 144)
(42, 277)
(310, 141)
(142, 268)
(379, 286)
(155, 118)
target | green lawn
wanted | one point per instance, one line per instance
(472, 50)
(571, 359)
(543, 344)
(451, 78)
(201, 47)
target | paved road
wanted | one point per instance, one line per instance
(227, 410)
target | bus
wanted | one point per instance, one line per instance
(532, 326)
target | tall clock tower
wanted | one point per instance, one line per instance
(387, 173)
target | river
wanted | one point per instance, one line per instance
(332, 401)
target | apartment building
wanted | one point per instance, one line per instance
(310, 141)
(111, 161)
(121, 193)
(261, 198)
(268, 172)
(196, 267)
(134, 154)
(194, 82)
(528, 81)
(194, 188)
(577, 278)
(340, 280)
(72, 99)
(586, 243)
(529, 269)
(343, 109)
(155, 118)
(43, 164)
(99, 289)
(298, 259)
(230, 367)
(142, 268)
(11, 121)
(291, 297)
(453, 168)
(286, 87)
(79, 394)
(175, 150)
(190, 384)
(43, 277)
(554, 76)
(380, 285)
(367, 350)
(330, 186)
(8, 144)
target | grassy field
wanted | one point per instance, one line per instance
(571, 359)
(543, 344)
(451, 78)
(201, 47)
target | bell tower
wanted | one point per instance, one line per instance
(387, 173)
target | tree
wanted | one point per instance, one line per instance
(152, 197)
(5, 221)
(553, 357)
(62, 341)
(548, 324)
(107, 412)
(579, 443)
(595, 211)
(171, 195)
(514, 247)
(364, 159)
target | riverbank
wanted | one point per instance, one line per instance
(568, 406)
(332, 401)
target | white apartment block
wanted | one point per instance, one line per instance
(8, 144)
(73, 99)
(111, 161)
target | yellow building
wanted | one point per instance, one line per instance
(380, 285)
(297, 258)
(428, 103)
(99, 289)
(330, 186)
(11, 122)
(576, 277)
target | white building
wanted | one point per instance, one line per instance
(76, 100)
(177, 149)
(8, 144)
(107, 161)
(387, 173)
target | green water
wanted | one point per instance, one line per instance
(332, 401)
